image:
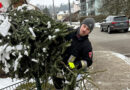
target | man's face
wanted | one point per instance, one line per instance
(84, 30)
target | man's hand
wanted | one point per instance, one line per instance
(78, 65)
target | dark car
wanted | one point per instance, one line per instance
(112, 23)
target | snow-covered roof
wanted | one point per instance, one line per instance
(63, 12)
(77, 2)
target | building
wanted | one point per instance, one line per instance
(83, 7)
(61, 15)
(76, 6)
(90, 7)
(98, 4)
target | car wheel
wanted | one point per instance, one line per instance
(109, 30)
(101, 29)
(126, 30)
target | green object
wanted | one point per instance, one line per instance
(42, 44)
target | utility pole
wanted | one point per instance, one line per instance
(69, 12)
(54, 10)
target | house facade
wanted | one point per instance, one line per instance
(90, 7)
(76, 6)
(61, 15)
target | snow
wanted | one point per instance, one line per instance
(25, 21)
(26, 71)
(15, 14)
(29, 7)
(49, 24)
(26, 53)
(4, 54)
(31, 30)
(124, 58)
(97, 24)
(61, 13)
(129, 28)
(51, 37)
(4, 27)
(57, 30)
(4, 82)
(34, 60)
(16, 62)
(44, 49)
(1, 17)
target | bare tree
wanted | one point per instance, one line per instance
(115, 7)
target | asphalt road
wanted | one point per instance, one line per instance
(117, 41)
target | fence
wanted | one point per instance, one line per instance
(14, 86)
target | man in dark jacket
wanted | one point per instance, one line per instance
(79, 54)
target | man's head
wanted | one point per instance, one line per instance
(86, 26)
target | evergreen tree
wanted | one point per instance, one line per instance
(33, 46)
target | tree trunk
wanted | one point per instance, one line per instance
(37, 80)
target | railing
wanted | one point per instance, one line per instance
(14, 86)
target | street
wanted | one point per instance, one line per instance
(117, 41)
(117, 72)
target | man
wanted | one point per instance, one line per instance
(79, 54)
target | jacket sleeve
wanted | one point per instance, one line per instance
(88, 54)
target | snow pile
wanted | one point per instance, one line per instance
(4, 82)
(124, 58)
(5, 52)
(97, 24)
(4, 27)
(1, 17)
(29, 7)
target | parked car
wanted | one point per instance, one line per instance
(113, 23)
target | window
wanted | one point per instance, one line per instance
(122, 18)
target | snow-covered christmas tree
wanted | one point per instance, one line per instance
(31, 44)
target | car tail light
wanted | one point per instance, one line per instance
(127, 21)
(114, 22)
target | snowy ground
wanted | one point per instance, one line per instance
(4, 82)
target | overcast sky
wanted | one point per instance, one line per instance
(49, 2)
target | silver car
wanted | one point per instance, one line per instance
(112, 23)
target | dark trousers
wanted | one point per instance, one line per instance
(58, 82)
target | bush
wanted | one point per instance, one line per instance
(26, 86)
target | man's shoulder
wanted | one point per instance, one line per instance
(87, 43)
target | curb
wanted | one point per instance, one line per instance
(118, 55)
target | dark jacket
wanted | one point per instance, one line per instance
(80, 48)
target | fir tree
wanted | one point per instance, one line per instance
(34, 45)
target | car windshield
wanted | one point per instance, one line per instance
(120, 18)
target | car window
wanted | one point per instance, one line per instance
(120, 18)
(107, 19)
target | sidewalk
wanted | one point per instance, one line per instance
(117, 74)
